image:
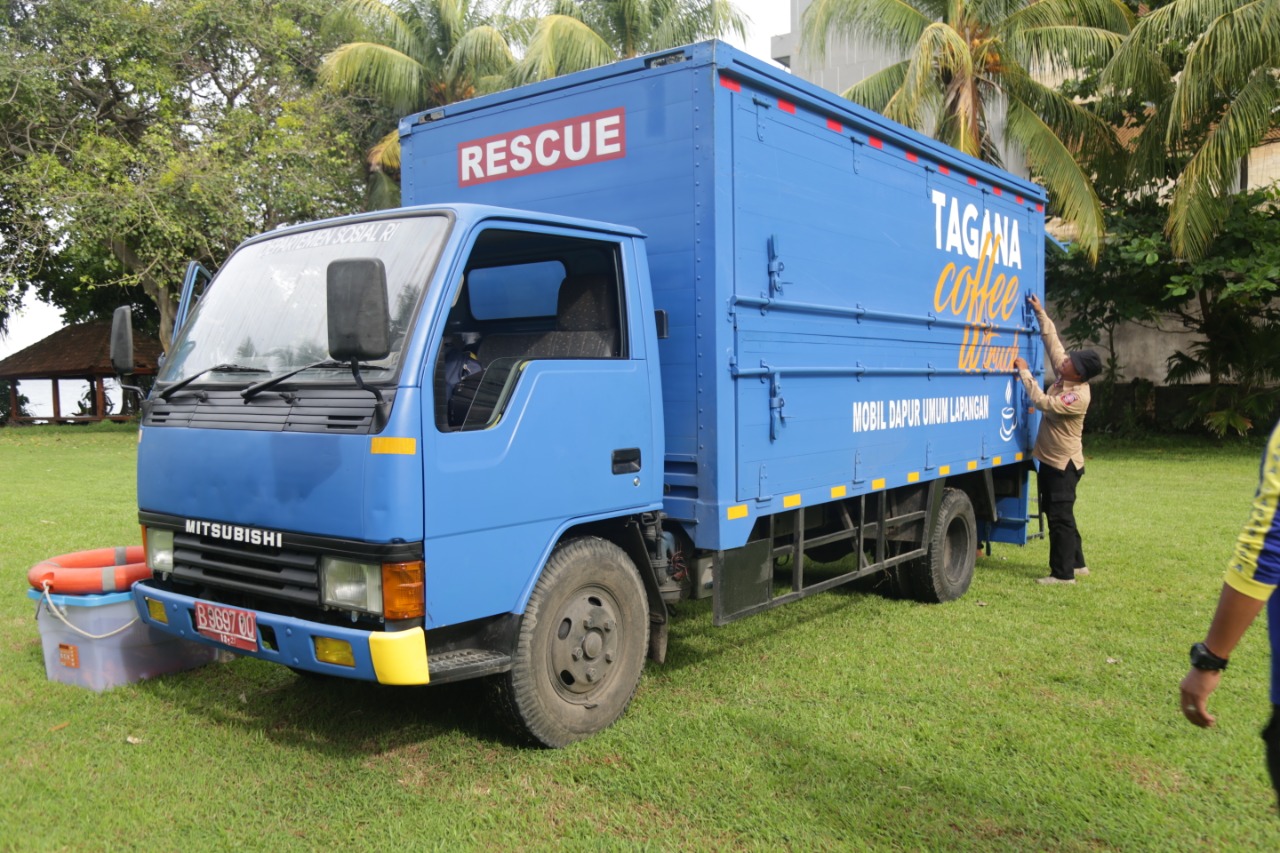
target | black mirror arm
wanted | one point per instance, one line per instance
(383, 410)
(355, 374)
(142, 395)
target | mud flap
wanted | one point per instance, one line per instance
(742, 580)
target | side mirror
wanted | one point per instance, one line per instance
(359, 322)
(122, 340)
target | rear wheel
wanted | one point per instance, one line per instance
(944, 574)
(581, 646)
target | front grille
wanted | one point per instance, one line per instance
(331, 410)
(279, 573)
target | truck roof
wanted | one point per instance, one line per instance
(461, 211)
(758, 75)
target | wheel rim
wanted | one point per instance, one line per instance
(585, 644)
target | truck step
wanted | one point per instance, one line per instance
(466, 663)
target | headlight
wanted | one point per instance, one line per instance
(351, 585)
(159, 549)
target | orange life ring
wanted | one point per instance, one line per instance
(91, 572)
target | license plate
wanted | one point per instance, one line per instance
(228, 625)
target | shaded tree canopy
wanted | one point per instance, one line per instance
(1227, 299)
(136, 135)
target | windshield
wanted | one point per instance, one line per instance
(266, 311)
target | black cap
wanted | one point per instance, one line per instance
(1086, 362)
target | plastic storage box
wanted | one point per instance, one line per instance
(82, 652)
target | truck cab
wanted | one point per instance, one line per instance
(387, 518)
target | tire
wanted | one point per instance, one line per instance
(581, 646)
(944, 574)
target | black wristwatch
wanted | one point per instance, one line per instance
(1202, 658)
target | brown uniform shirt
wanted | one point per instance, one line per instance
(1064, 406)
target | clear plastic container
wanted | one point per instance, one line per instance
(82, 653)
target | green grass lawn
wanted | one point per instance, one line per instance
(1019, 717)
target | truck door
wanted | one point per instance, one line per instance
(540, 412)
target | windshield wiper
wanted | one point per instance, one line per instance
(271, 382)
(217, 368)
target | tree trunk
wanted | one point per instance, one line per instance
(153, 287)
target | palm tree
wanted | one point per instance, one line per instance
(967, 59)
(412, 55)
(1208, 114)
(578, 34)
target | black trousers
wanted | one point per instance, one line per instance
(1058, 501)
(1271, 736)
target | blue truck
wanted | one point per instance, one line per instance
(681, 327)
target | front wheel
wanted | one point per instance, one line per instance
(944, 574)
(581, 646)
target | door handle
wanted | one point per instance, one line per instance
(626, 460)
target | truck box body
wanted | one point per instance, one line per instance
(837, 323)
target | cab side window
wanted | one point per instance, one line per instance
(524, 296)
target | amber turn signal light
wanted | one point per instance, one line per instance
(403, 590)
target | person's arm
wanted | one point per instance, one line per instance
(1048, 331)
(1236, 612)
(1067, 405)
(1252, 576)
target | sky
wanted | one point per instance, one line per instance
(36, 320)
(768, 18)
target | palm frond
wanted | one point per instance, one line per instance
(1148, 157)
(1070, 189)
(1139, 68)
(682, 22)
(382, 72)
(481, 53)
(876, 90)
(939, 53)
(1184, 20)
(1082, 130)
(1064, 49)
(1200, 196)
(1110, 15)
(376, 21)
(1231, 49)
(452, 19)
(560, 45)
(896, 24)
(384, 156)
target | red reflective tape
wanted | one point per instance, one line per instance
(875, 143)
(997, 191)
(973, 182)
(832, 124)
(1019, 198)
(913, 158)
(786, 106)
(944, 170)
(730, 84)
(1039, 208)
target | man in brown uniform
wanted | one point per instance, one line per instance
(1058, 446)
